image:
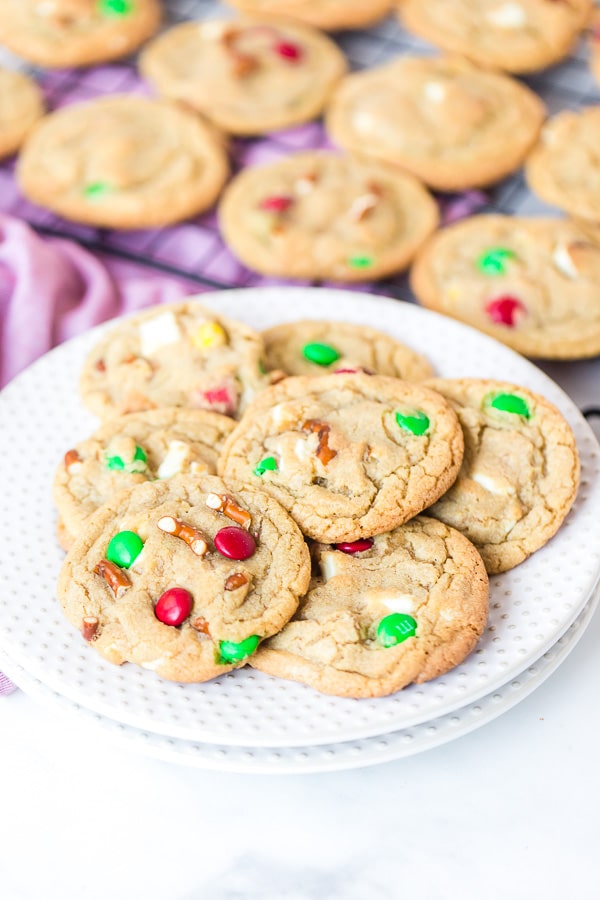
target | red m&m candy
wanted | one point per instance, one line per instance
(355, 546)
(174, 606)
(289, 51)
(235, 543)
(505, 311)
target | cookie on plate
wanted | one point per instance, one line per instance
(66, 33)
(322, 216)
(247, 76)
(21, 105)
(531, 283)
(563, 167)
(178, 354)
(123, 162)
(514, 35)
(129, 450)
(184, 577)
(320, 347)
(328, 14)
(404, 607)
(520, 471)
(444, 120)
(349, 455)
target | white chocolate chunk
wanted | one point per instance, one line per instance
(395, 602)
(174, 462)
(331, 564)
(509, 15)
(281, 414)
(435, 92)
(363, 121)
(495, 485)
(158, 332)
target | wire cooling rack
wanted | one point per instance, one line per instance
(194, 249)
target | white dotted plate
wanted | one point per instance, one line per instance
(322, 757)
(531, 606)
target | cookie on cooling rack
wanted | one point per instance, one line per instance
(21, 105)
(514, 35)
(65, 33)
(184, 577)
(444, 120)
(520, 471)
(322, 216)
(247, 76)
(403, 607)
(349, 455)
(178, 354)
(128, 450)
(327, 14)
(123, 162)
(531, 283)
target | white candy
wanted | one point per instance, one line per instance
(490, 484)
(435, 91)
(158, 332)
(509, 15)
(174, 461)
(563, 261)
(395, 602)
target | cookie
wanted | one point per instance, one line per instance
(65, 33)
(321, 216)
(406, 607)
(184, 577)
(533, 284)
(327, 14)
(129, 450)
(563, 168)
(123, 162)
(177, 354)
(21, 105)
(349, 456)
(451, 124)
(594, 44)
(514, 35)
(520, 471)
(247, 76)
(319, 347)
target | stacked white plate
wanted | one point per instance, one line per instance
(245, 720)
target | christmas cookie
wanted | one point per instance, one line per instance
(514, 35)
(129, 450)
(180, 354)
(563, 168)
(533, 284)
(320, 347)
(444, 120)
(327, 14)
(76, 32)
(123, 162)
(349, 455)
(21, 105)
(247, 76)
(321, 216)
(520, 472)
(184, 577)
(403, 607)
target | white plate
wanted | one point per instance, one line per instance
(319, 758)
(531, 606)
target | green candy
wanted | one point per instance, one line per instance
(493, 261)
(138, 464)
(360, 262)
(321, 354)
(115, 8)
(268, 464)
(510, 403)
(124, 548)
(97, 190)
(229, 652)
(396, 628)
(416, 422)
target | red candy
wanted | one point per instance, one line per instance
(360, 369)
(505, 311)
(221, 399)
(174, 606)
(289, 51)
(235, 543)
(355, 546)
(276, 204)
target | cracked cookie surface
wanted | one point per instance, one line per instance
(326, 14)
(406, 609)
(531, 283)
(515, 35)
(443, 120)
(21, 105)
(520, 471)
(227, 604)
(247, 76)
(130, 450)
(348, 456)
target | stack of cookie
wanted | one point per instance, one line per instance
(307, 555)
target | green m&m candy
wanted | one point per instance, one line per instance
(360, 262)
(415, 422)
(230, 652)
(268, 464)
(494, 261)
(124, 548)
(320, 354)
(510, 403)
(396, 628)
(137, 464)
(97, 190)
(115, 9)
